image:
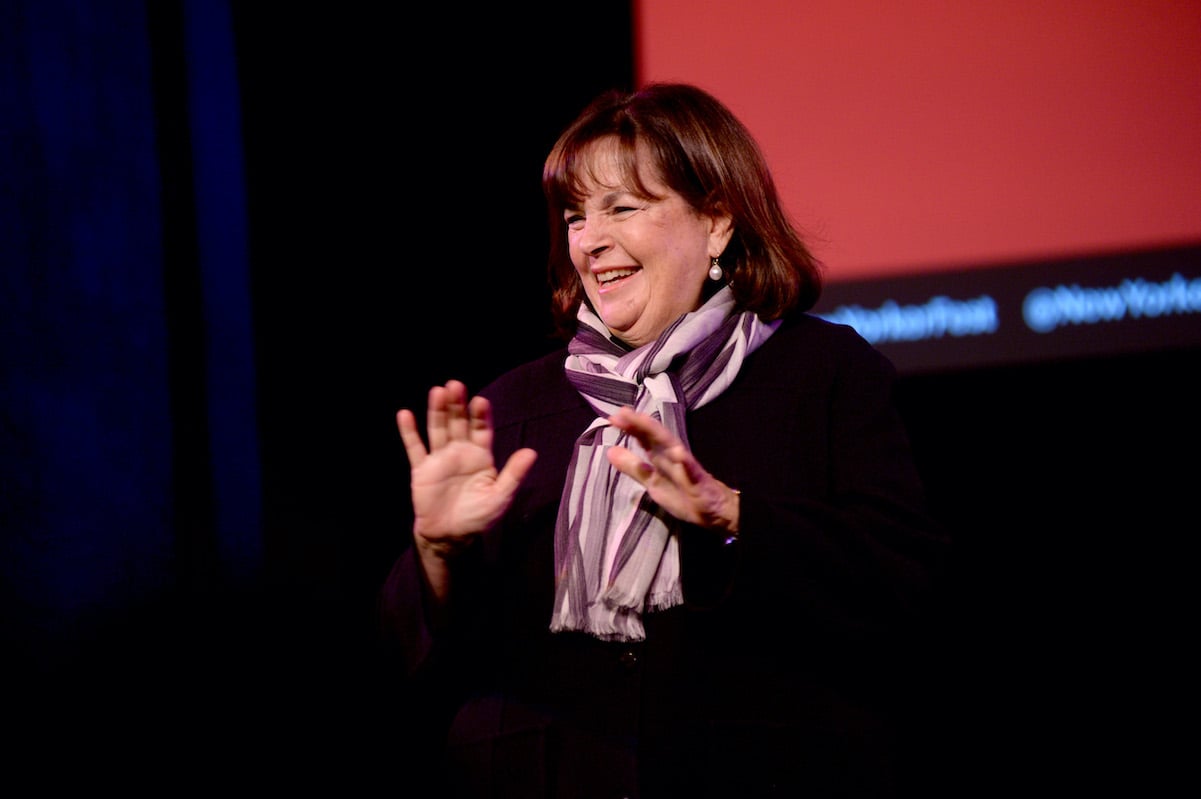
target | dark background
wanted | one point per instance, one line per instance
(238, 236)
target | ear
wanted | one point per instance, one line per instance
(721, 230)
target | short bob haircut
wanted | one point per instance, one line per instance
(703, 152)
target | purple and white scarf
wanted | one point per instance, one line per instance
(616, 553)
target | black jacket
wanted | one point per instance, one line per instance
(787, 671)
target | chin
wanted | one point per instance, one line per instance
(618, 323)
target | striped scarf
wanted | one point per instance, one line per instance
(616, 553)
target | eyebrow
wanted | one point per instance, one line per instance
(607, 200)
(612, 197)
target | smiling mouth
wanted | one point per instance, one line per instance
(611, 277)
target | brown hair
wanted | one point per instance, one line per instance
(703, 152)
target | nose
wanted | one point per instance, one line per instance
(594, 236)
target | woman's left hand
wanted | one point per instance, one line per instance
(672, 476)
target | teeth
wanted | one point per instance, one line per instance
(616, 274)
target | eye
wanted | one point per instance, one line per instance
(574, 220)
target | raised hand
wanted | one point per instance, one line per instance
(457, 491)
(672, 476)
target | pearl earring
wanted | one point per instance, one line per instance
(715, 271)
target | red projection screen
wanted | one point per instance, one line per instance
(985, 182)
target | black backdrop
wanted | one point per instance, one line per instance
(344, 209)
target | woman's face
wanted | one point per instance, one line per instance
(643, 262)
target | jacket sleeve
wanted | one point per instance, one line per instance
(835, 536)
(423, 667)
(404, 627)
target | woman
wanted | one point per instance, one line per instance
(689, 555)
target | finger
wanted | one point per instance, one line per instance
(456, 410)
(629, 464)
(515, 469)
(650, 433)
(479, 418)
(436, 417)
(663, 448)
(406, 423)
(694, 473)
(669, 458)
(673, 459)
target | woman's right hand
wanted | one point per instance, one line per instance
(457, 491)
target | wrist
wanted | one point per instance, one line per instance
(441, 548)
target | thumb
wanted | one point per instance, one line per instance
(516, 468)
